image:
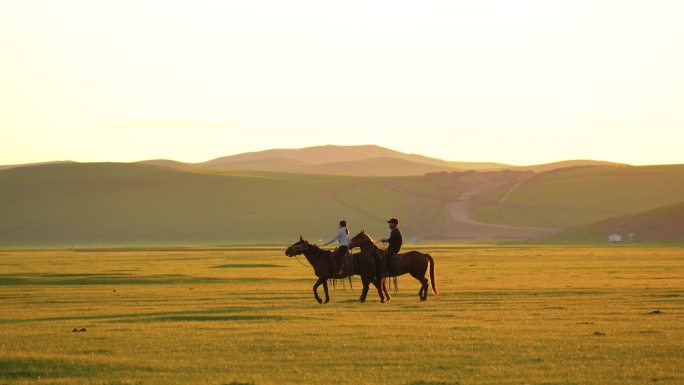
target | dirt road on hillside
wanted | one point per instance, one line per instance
(459, 223)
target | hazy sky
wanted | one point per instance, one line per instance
(511, 81)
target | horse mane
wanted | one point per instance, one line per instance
(315, 247)
(366, 237)
(363, 232)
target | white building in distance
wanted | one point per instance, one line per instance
(615, 237)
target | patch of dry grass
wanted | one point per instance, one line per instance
(507, 315)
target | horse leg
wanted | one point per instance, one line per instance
(315, 287)
(384, 290)
(422, 293)
(423, 290)
(325, 287)
(364, 292)
(377, 286)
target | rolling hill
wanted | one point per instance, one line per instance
(341, 160)
(379, 167)
(368, 160)
(364, 167)
(572, 197)
(342, 154)
(120, 203)
(562, 164)
(166, 163)
(8, 166)
(132, 203)
(664, 224)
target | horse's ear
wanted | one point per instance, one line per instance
(363, 231)
(300, 238)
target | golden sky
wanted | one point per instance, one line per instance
(518, 82)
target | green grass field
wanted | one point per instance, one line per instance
(118, 203)
(240, 315)
(578, 196)
(664, 224)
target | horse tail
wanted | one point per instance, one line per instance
(433, 281)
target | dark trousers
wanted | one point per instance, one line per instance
(389, 258)
(340, 253)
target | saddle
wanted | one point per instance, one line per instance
(396, 261)
(347, 264)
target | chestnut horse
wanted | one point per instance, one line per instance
(412, 262)
(365, 264)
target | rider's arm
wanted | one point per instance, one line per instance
(339, 234)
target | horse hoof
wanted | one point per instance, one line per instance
(327, 300)
(320, 301)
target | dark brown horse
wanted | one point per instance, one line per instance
(412, 262)
(365, 264)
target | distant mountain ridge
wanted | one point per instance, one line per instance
(363, 160)
(8, 166)
(318, 155)
(111, 203)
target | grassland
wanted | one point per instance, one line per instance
(116, 203)
(664, 224)
(239, 315)
(576, 196)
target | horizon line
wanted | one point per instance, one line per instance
(75, 160)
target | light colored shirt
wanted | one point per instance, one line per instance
(342, 236)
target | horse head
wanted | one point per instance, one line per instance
(360, 239)
(297, 248)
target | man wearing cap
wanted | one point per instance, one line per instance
(395, 241)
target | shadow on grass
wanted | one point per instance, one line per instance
(34, 368)
(126, 249)
(245, 266)
(202, 318)
(238, 383)
(432, 383)
(224, 314)
(49, 279)
(97, 352)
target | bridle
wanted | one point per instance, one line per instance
(300, 249)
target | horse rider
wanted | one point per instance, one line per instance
(395, 241)
(343, 237)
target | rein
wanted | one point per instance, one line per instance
(307, 265)
(300, 262)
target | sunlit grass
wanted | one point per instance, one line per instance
(220, 315)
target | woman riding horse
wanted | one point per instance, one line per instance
(365, 264)
(343, 237)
